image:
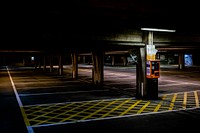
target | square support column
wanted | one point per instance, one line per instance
(141, 73)
(74, 57)
(181, 61)
(98, 66)
(60, 65)
(146, 88)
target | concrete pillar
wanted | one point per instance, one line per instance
(39, 63)
(74, 57)
(181, 62)
(50, 63)
(36, 62)
(125, 61)
(24, 62)
(146, 88)
(112, 60)
(84, 59)
(141, 73)
(44, 63)
(150, 38)
(60, 65)
(98, 65)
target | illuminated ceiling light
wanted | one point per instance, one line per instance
(154, 29)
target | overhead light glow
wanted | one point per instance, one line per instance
(154, 29)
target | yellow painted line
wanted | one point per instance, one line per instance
(185, 100)
(196, 98)
(62, 113)
(26, 121)
(99, 110)
(131, 107)
(81, 111)
(48, 111)
(172, 102)
(116, 108)
(143, 107)
(134, 104)
(159, 104)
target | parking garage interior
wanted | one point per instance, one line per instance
(83, 65)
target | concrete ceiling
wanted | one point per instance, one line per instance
(41, 25)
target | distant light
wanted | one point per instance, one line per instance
(32, 58)
(154, 29)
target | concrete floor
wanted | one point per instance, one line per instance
(34, 88)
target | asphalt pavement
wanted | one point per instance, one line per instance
(26, 92)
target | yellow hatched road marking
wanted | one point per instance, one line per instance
(172, 102)
(143, 107)
(99, 110)
(116, 108)
(196, 98)
(131, 107)
(159, 104)
(49, 111)
(82, 111)
(25, 117)
(63, 112)
(185, 100)
(49, 114)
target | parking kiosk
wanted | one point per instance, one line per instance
(152, 75)
(153, 69)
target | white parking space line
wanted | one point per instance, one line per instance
(29, 128)
(180, 84)
(53, 93)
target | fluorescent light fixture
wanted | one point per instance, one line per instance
(154, 29)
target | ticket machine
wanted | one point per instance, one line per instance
(153, 69)
(152, 75)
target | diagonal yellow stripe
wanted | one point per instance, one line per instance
(48, 111)
(143, 107)
(116, 107)
(172, 102)
(130, 107)
(24, 116)
(185, 100)
(81, 111)
(196, 98)
(46, 120)
(159, 104)
(99, 110)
